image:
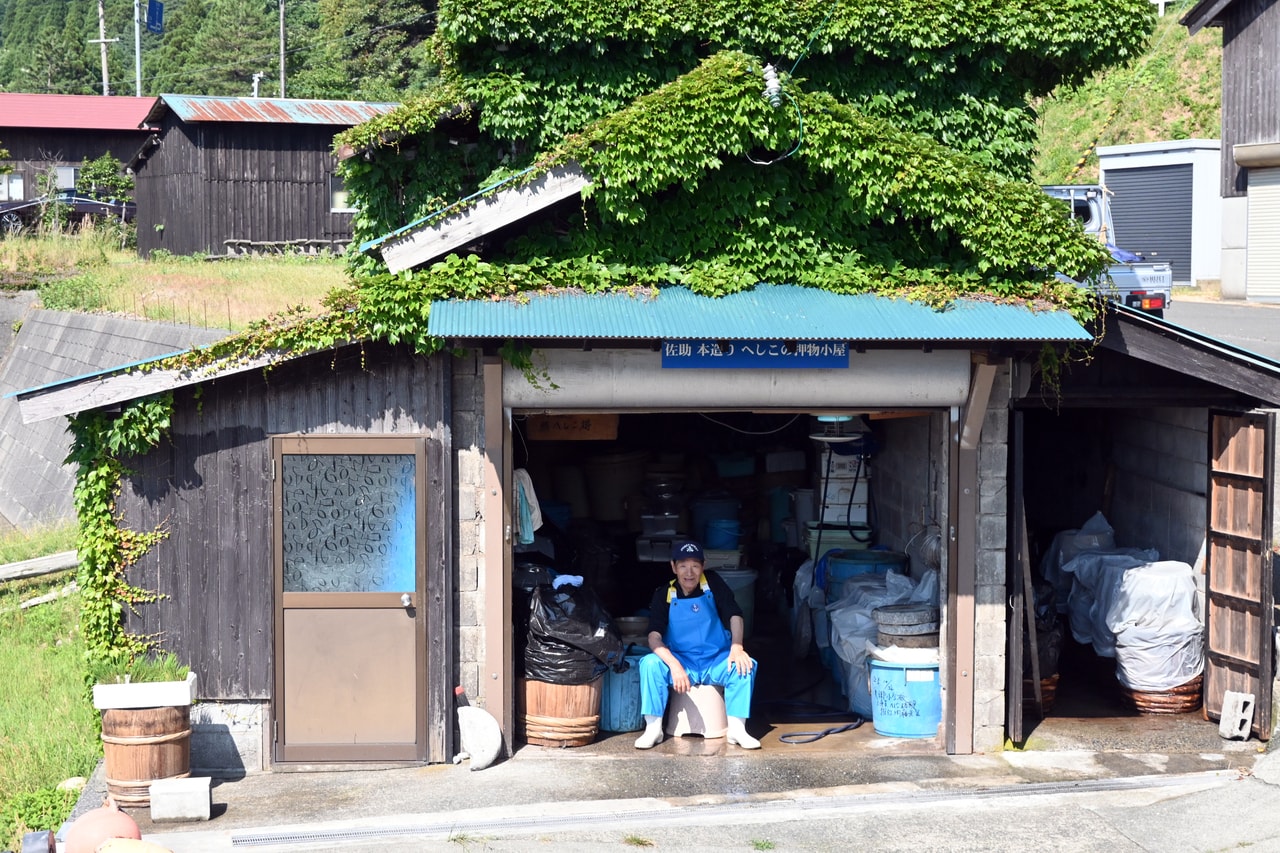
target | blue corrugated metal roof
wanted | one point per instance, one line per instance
(268, 110)
(781, 312)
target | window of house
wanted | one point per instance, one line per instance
(11, 187)
(67, 177)
(338, 201)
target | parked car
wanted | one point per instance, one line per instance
(17, 215)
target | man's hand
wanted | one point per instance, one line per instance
(679, 678)
(739, 660)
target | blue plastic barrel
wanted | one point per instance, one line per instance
(906, 699)
(620, 698)
(842, 565)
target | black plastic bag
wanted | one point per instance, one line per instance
(572, 639)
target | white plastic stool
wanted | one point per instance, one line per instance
(698, 712)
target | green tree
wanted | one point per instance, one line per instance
(237, 39)
(370, 51)
(104, 178)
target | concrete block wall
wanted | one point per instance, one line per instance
(1161, 461)
(992, 547)
(227, 739)
(468, 485)
(909, 481)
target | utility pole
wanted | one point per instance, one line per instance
(282, 48)
(102, 41)
(137, 47)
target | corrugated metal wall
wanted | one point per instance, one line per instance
(209, 486)
(1262, 277)
(1250, 83)
(1151, 211)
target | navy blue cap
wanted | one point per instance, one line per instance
(686, 549)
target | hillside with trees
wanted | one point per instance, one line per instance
(333, 48)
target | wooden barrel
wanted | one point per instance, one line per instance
(140, 745)
(1179, 700)
(559, 714)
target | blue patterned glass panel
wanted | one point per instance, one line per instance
(349, 522)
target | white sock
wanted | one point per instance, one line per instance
(738, 734)
(652, 734)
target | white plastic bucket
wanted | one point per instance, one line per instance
(743, 584)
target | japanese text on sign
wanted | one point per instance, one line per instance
(770, 355)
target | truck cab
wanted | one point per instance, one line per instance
(1131, 280)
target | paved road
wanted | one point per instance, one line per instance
(1249, 325)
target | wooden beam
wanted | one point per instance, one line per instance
(497, 670)
(449, 232)
(59, 562)
(98, 392)
(1192, 358)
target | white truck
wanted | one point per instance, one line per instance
(1134, 281)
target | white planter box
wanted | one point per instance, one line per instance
(145, 694)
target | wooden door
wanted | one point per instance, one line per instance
(1238, 566)
(350, 682)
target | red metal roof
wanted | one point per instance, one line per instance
(73, 112)
(268, 110)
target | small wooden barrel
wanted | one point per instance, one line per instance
(140, 745)
(560, 714)
(1179, 700)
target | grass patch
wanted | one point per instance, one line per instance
(762, 845)
(20, 545)
(90, 272)
(1172, 91)
(637, 841)
(48, 727)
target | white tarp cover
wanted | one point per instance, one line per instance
(1095, 535)
(854, 627)
(1158, 627)
(1097, 582)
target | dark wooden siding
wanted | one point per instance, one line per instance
(1250, 83)
(34, 150)
(210, 487)
(246, 186)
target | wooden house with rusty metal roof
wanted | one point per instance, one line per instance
(231, 176)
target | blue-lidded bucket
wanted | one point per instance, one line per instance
(722, 534)
(620, 698)
(842, 565)
(558, 513)
(906, 699)
(710, 507)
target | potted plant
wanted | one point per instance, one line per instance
(146, 724)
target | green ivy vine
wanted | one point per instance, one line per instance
(106, 549)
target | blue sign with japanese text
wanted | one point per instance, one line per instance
(155, 16)
(765, 355)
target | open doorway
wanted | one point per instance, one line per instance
(760, 493)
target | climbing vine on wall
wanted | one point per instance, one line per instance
(106, 548)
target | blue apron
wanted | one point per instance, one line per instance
(695, 634)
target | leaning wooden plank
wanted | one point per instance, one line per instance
(39, 566)
(453, 231)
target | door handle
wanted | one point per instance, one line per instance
(406, 600)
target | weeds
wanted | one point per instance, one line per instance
(637, 841)
(762, 845)
(37, 542)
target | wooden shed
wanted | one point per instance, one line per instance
(43, 132)
(1250, 142)
(231, 176)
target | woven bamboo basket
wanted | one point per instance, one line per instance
(1178, 700)
(1048, 689)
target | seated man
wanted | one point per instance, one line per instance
(695, 632)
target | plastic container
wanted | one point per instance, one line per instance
(906, 699)
(611, 479)
(571, 487)
(722, 534)
(843, 565)
(620, 699)
(722, 559)
(835, 537)
(805, 509)
(708, 507)
(557, 512)
(743, 584)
